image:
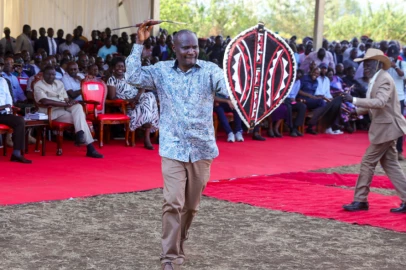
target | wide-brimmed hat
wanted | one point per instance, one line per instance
(375, 54)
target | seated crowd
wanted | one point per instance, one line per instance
(49, 70)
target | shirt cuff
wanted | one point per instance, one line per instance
(354, 100)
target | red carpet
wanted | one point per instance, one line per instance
(126, 169)
(335, 179)
(309, 199)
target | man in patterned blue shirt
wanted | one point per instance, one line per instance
(186, 89)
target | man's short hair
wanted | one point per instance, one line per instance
(48, 67)
(70, 63)
(64, 61)
(181, 32)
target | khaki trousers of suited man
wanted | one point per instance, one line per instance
(184, 183)
(387, 155)
(73, 115)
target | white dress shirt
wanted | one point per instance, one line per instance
(72, 84)
(323, 89)
(52, 46)
(399, 80)
(5, 97)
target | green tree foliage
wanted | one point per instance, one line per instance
(343, 19)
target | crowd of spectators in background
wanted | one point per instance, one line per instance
(322, 74)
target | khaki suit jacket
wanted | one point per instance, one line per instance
(383, 107)
(23, 42)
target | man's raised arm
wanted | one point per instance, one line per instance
(141, 77)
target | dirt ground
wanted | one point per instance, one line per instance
(122, 231)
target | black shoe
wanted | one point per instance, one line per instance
(356, 206)
(293, 133)
(401, 209)
(296, 132)
(311, 131)
(277, 134)
(94, 154)
(148, 146)
(20, 159)
(80, 138)
(257, 137)
(270, 133)
(349, 129)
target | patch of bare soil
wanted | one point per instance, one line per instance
(122, 231)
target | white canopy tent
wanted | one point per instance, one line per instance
(68, 14)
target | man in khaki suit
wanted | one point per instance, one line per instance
(387, 125)
(23, 41)
(50, 92)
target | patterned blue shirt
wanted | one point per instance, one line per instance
(186, 104)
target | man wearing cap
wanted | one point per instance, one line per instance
(387, 125)
(397, 72)
(8, 43)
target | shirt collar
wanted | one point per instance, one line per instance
(5, 74)
(198, 64)
(54, 83)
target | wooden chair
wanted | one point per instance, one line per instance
(94, 93)
(230, 118)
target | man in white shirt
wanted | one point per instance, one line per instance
(323, 90)
(17, 123)
(397, 71)
(69, 46)
(72, 82)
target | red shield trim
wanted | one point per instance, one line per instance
(259, 67)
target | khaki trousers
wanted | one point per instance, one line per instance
(184, 183)
(73, 115)
(386, 153)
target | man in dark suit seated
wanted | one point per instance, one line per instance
(307, 92)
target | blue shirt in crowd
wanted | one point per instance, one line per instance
(295, 89)
(18, 93)
(104, 51)
(308, 85)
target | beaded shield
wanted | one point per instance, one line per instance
(259, 67)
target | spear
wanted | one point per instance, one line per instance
(150, 23)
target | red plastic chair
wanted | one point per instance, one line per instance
(94, 93)
(4, 130)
